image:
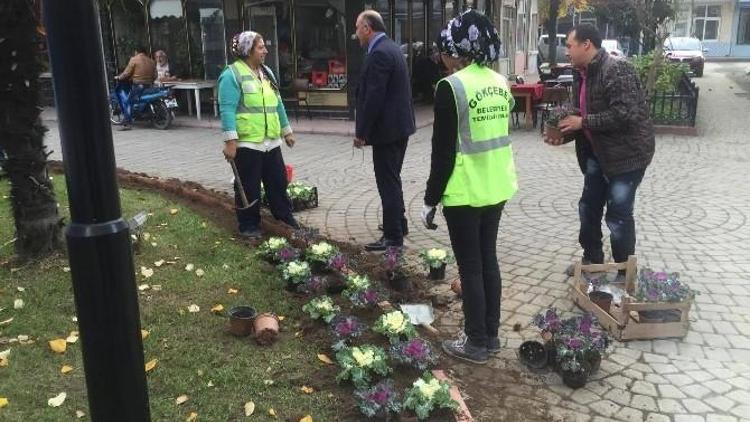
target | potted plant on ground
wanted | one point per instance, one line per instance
(356, 283)
(366, 299)
(321, 308)
(435, 259)
(268, 249)
(344, 329)
(551, 123)
(416, 353)
(302, 196)
(393, 260)
(549, 323)
(379, 401)
(598, 297)
(338, 262)
(428, 394)
(295, 273)
(359, 364)
(319, 254)
(396, 326)
(241, 320)
(533, 354)
(661, 287)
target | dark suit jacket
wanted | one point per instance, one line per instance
(384, 109)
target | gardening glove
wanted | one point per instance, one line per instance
(428, 214)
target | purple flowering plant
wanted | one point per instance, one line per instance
(548, 321)
(393, 261)
(366, 298)
(416, 352)
(575, 338)
(286, 254)
(337, 262)
(344, 329)
(316, 284)
(379, 400)
(660, 286)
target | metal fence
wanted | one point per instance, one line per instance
(676, 108)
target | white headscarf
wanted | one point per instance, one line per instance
(242, 43)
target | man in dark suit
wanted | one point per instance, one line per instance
(385, 120)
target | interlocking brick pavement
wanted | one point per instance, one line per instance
(691, 215)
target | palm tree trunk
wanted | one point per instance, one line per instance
(38, 224)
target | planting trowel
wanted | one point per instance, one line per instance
(420, 314)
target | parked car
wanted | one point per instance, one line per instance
(613, 47)
(543, 55)
(687, 50)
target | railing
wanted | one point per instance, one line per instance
(677, 108)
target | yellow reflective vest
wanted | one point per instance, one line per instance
(257, 116)
(484, 173)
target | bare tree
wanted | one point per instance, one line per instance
(38, 224)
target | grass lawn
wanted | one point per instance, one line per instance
(192, 349)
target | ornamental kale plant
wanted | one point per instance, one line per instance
(428, 394)
(359, 364)
(662, 287)
(417, 353)
(378, 401)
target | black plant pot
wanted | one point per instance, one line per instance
(319, 267)
(551, 348)
(398, 281)
(533, 354)
(437, 273)
(601, 299)
(575, 379)
(593, 360)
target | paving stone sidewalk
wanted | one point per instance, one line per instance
(692, 217)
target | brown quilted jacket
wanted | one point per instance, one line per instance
(618, 117)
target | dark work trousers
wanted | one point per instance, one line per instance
(473, 233)
(618, 194)
(388, 160)
(254, 167)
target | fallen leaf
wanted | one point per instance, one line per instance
(3, 402)
(66, 269)
(325, 359)
(204, 225)
(307, 390)
(249, 408)
(194, 308)
(232, 291)
(272, 412)
(159, 263)
(182, 399)
(151, 364)
(57, 400)
(3, 362)
(281, 317)
(156, 287)
(225, 266)
(217, 309)
(199, 272)
(20, 289)
(72, 338)
(58, 345)
(307, 418)
(5, 354)
(210, 384)
(66, 368)
(18, 304)
(298, 334)
(189, 267)
(174, 211)
(147, 272)
(191, 417)
(6, 322)
(146, 236)
(144, 287)
(153, 244)
(144, 334)
(80, 414)
(23, 337)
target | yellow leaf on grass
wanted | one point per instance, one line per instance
(173, 211)
(144, 334)
(307, 418)
(151, 364)
(189, 267)
(72, 338)
(6, 322)
(156, 287)
(80, 414)
(217, 309)
(18, 304)
(3, 402)
(21, 289)
(159, 263)
(147, 272)
(66, 369)
(58, 346)
(272, 412)
(3, 362)
(307, 390)
(194, 308)
(143, 287)
(199, 272)
(281, 317)
(191, 417)
(58, 400)
(182, 399)
(325, 359)
(249, 408)
(232, 291)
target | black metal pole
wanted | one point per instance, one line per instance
(101, 260)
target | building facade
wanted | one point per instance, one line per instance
(722, 25)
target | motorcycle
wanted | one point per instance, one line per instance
(153, 104)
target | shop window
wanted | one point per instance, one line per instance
(207, 43)
(707, 22)
(743, 34)
(169, 34)
(321, 44)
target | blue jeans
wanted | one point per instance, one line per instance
(126, 103)
(618, 194)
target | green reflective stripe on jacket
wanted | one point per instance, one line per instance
(257, 110)
(484, 172)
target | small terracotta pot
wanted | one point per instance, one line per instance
(552, 132)
(601, 299)
(241, 320)
(266, 328)
(437, 273)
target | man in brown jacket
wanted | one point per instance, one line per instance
(614, 143)
(141, 70)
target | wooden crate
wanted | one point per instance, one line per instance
(622, 320)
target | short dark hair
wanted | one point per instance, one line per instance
(140, 48)
(586, 31)
(374, 20)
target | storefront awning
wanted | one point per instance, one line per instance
(165, 8)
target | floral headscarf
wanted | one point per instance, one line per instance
(471, 35)
(242, 43)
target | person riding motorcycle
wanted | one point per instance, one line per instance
(141, 71)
